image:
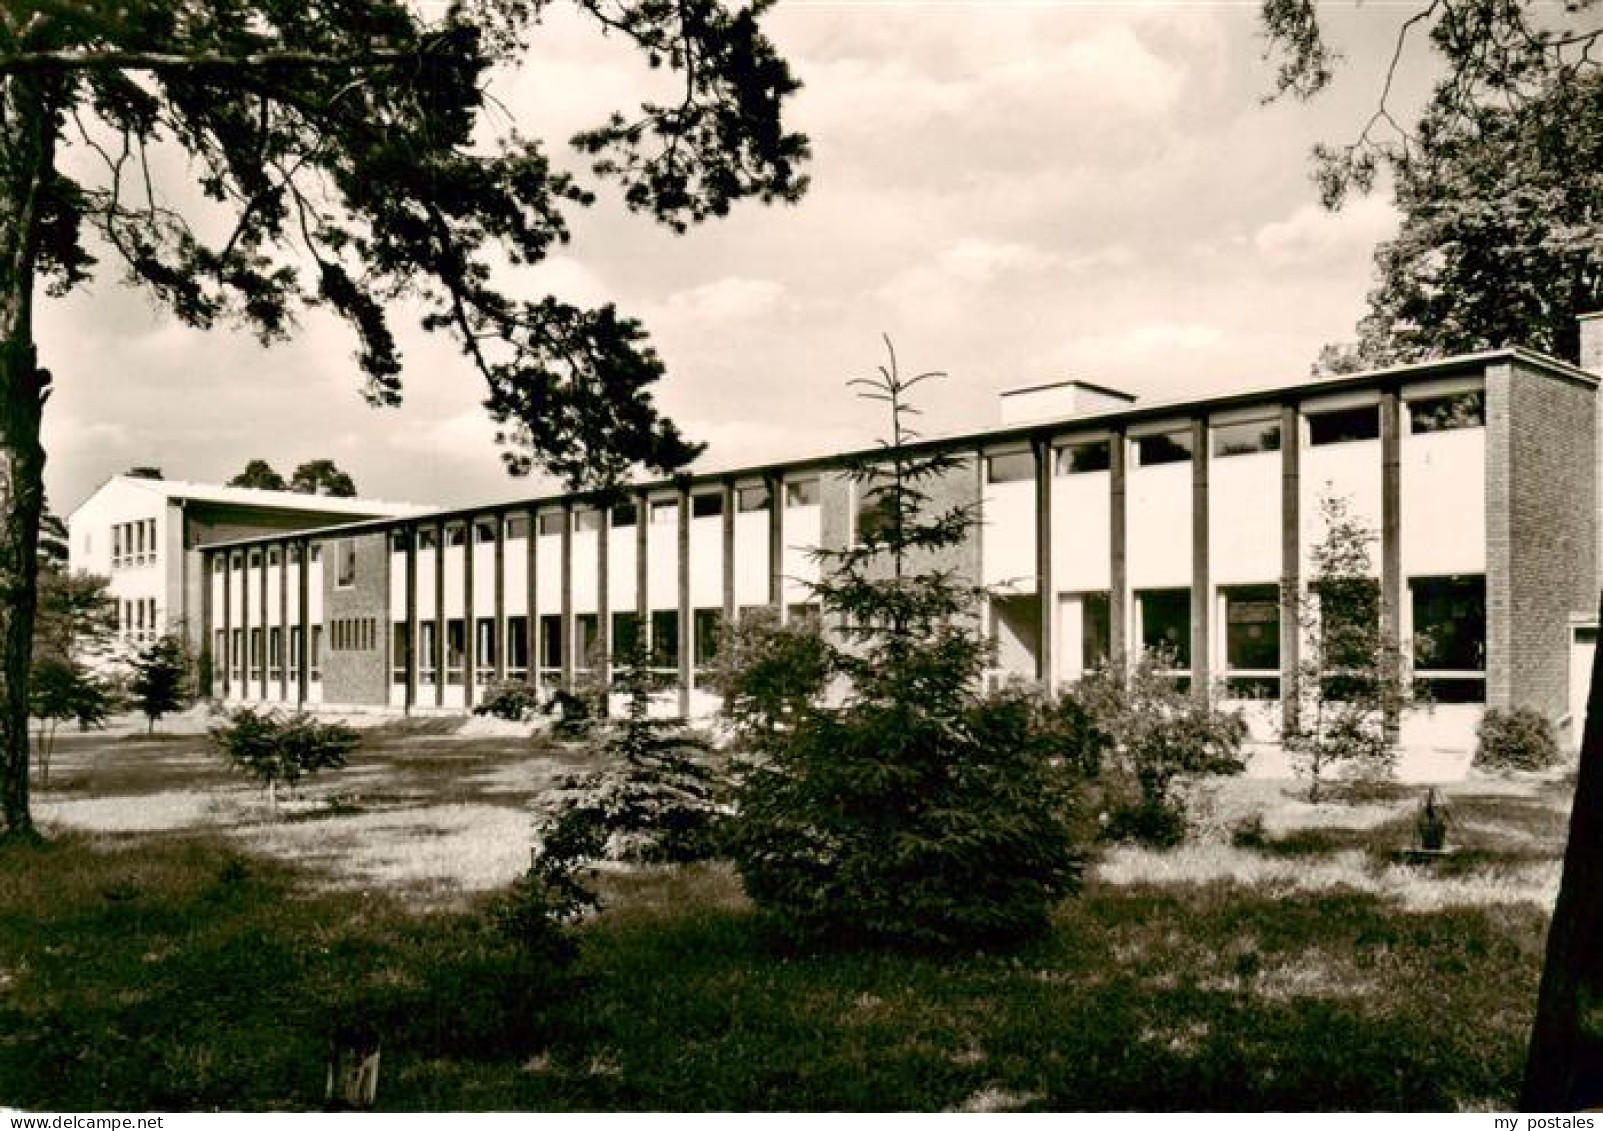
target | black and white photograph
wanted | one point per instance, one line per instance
(919, 556)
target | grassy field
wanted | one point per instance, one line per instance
(171, 947)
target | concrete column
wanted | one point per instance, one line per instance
(533, 614)
(1290, 561)
(470, 621)
(730, 611)
(228, 620)
(1391, 546)
(439, 614)
(776, 544)
(642, 576)
(1046, 663)
(410, 659)
(687, 659)
(604, 598)
(1201, 582)
(262, 597)
(1120, 650)
(500, 597)
(569, 644)
(304, 582)
(283, 621)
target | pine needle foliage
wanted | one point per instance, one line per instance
(905, 807)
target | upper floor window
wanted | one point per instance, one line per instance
(484, 530)
(1446, 413)
(456, 534)
(1163, 447)
(625, 514)
(1010, 467)
(753, 497)
(664, 511)
(802, 492)
(707, 504)
(550, 522)
(586, 520)
(516, 526)
(1092, 455)
(1246, 437)
(345, 573)
(1344, 425)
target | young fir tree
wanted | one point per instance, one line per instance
(907, 808)
(1348, 688)
(157, 686)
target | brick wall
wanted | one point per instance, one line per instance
(1542, 533)
(358, 673)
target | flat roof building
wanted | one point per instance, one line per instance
(1106, 526)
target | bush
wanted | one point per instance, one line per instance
(1517, 739)
(278, 748)
(510, 699)
(538, 910)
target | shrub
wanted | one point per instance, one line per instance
(1517, 739)
(511, 699)
(538, 910)
(277, 748)
(157, 686)
(1153, 733)
(906, 808)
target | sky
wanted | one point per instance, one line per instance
(1013, 193)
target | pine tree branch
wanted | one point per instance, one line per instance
(80, 60)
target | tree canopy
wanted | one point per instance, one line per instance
(322, 477)
(1500, 181)
(258, 473)
(350, 156)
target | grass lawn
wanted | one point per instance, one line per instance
(171, 947)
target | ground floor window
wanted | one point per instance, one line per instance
(484, 651)
(1252, 641)
(587, 638)
(275, 654)
(518, 648)
(665, 639)
(551, 646)
(456, 644)
(294, 653)
(1165, 617)
(398, 652)
(255, 654)
(708, 627)
(625, 636)
(1450, 638)
(428, 672)
(316, 663)
(1096, 630)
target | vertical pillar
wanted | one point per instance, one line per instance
(470, 622)
(776, 544)
(729, 554)
(686, 619)
(1201, 582)
(1120, 650)
(262, 597)
(439, 614)
(604, 600)
(1046, 664)
(569, 644)
(410, 659)
(283, 621)
(500, 613)
(227, 658)
(244, 623)
(642, 572)
(1290, 563)
(531, 556)
(304, 583)
(1391, 546)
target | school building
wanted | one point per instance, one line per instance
(1107, 525)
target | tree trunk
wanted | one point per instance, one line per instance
(1564, 1067)
(27, 132)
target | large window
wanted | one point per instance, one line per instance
(1077, 459)
(1096, 625)
(625, 636)
(587, 635)
(1166, 625)
(1010, 467)
(752, 497)
(1252, 641)
(1446, 413)
(455, 649)
(708, 504)
(517, 647)
(709, 627)
(1246, 437)
(1344, 425)
(802, 492)
(1349, 640)
(551, 644)
(625, 514)
(665, 639)
(1163, 447)
(484, 654)
(1450, 638)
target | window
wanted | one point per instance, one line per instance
(802, 492)
(708, 504)
(272, 557)
(1445, 414)
(398, 541)
(586, 520)
(753, 497)
(455, 649)
(398, 652)
(218, 564)
(1166, 625)
(625, 636)
(255, 654)
(345, 557)
(625, 514)
(517, 647)
(116, 545)
(665, 638)
(316, 673)
(484, 652)
(426, 538)
(709, 628)
(295, 553)
(1096, 626)
(236, 661)
(456, 534)
(275, 654)
(255, 559)
(587, 636)
(483, 530)
(317, 551)
(664, 512)
(427, 640)
(1163, 447)
(1344, 425)
(294, 653)
(1252, 641)
(1010, 467)
(516, 526)
(1077, 459)
(875, 502)
(1450, 638)
(550, 523)
(1246, 437)
(551, 643)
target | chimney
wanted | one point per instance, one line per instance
(1592, 342)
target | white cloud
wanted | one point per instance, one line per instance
(1313, 235)
(730, 299)
(1142, 342)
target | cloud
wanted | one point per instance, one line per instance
(1313, 235)
(1142, 342)
(730, 299)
